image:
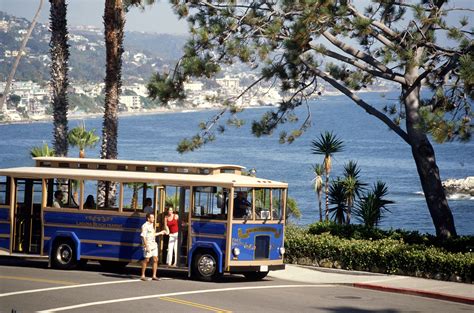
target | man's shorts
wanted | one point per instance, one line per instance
(150, 253)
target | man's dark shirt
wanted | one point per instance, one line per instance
(240, 207)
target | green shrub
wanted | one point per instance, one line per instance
(387, 255)
(354, 231)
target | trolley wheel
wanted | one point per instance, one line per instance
(113, 265)
(82, 263)
(205, 266)
(255, 275)
(63, 255)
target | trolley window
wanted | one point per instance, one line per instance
(4, 190)
(243, 203)
(277, 203)
(135, 197)
(62, 193)
(210, 202)
(262, 203)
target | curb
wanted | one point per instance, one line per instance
(415, 292)
(339, 271)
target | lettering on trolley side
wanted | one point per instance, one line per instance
(99, 221)
(237, 242)
(245, 234)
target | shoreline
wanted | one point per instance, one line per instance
(162, 110)
(75, 117)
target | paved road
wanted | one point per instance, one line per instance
(28, 285)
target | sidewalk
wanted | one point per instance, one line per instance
(450, 291)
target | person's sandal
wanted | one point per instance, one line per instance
(143, 279)
(155, 278)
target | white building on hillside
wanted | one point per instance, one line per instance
(131, 103)
(193, 86)
(139, 89)
(229, 83)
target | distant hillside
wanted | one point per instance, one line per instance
(144, 52)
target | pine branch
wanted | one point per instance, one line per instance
(376, 23)
(357, 53)
(384, 40)
(367, 107)
(233, 6)
(392, 77)
(458, 9)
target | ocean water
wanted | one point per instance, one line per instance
(380, 153)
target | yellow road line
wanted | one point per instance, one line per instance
(58, 282)
(196, 305)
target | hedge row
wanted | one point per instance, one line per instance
(354, 231)
(387, 255)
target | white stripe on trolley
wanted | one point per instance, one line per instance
(181, 293)
(67, 287)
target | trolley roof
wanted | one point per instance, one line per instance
(134, 163)
(223, 179)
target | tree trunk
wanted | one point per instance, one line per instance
(59, 50)
(114, 21)
(6, 91)
(320, 206)
(428, 171)
(350, 203)
(326, 189)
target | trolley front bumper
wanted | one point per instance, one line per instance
(255, 268)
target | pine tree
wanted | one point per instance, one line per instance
(302, 43)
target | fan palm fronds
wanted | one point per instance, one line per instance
(42, 151)
(327, 145)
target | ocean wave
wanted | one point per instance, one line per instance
(460, 196)
(454, 196)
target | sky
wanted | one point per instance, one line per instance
(158, 18)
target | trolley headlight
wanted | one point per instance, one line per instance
(236, 251)
(281, 250)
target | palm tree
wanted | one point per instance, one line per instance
(352, 186)
(42, 151)
(6, 91)
(318, 170)
(292, 209)
(337, 197)
(371, 208)
(327, 145)
(59, 50)
(114, 22)
(136, 187)
(82, 138)
(172, 201)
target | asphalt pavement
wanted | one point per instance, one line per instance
(29, 286)
(443, 290)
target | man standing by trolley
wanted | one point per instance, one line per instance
(150, 247)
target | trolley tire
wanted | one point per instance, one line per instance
(253, 276)
(82, 263)
(63, 255)
(204, 267)
(113, 265)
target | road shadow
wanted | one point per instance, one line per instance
(129, 272)
(21, 262)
